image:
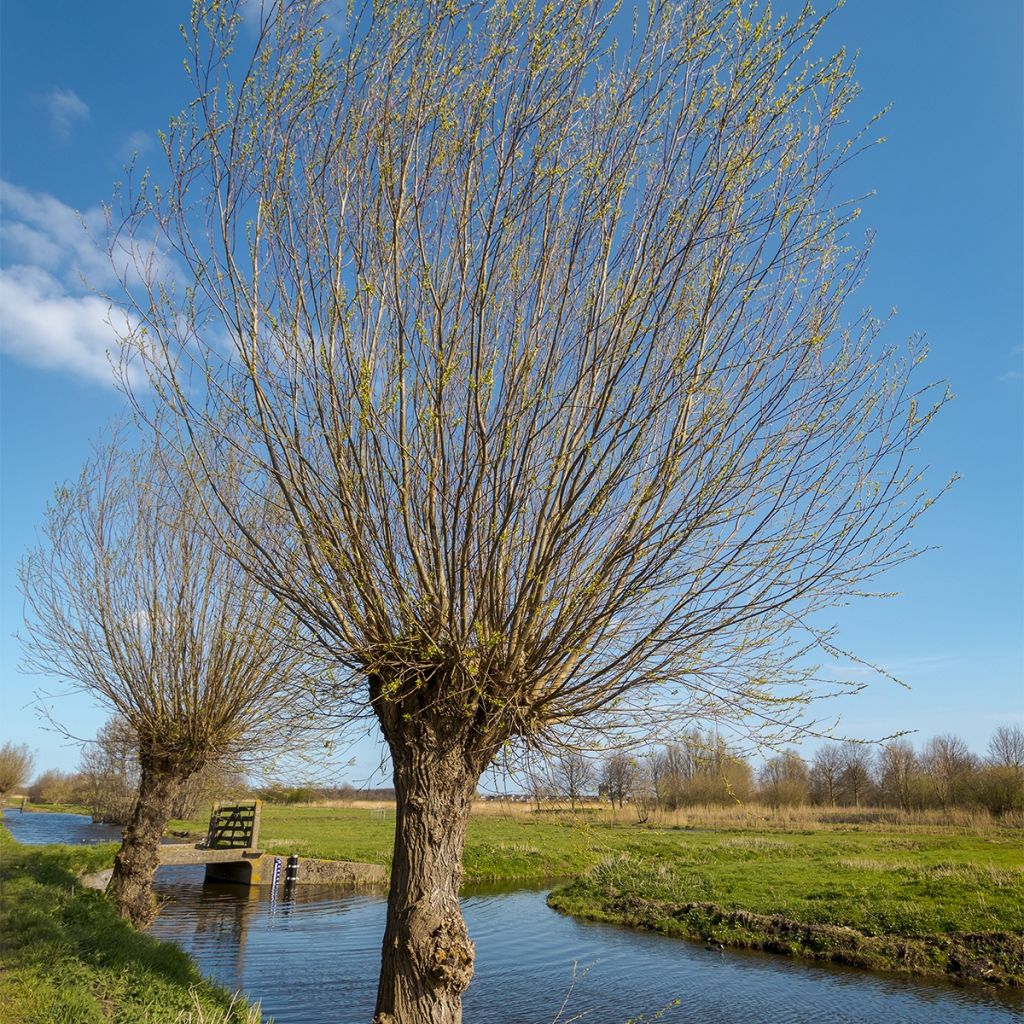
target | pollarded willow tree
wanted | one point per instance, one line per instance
(15, 768)
(131, 598)
(532, 319)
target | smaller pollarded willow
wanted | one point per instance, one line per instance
(131, 598)
(15, 768)
(531, 318)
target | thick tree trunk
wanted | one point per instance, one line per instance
(136, 862)
(427, 959)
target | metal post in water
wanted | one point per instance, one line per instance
(275, 884)
(291, 873)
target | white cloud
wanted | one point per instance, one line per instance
(1011, 717)
(50, 329)
(54, 265)
(65, 109)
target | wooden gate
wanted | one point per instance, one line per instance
(234, 827)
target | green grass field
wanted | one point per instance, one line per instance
(875, 879)
(904, 891)
(69, 959)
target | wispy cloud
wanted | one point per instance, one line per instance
(66, 109)
(54, 268)
(904, 667)
(254, 12)
(1018, 373)
(136, 143)
(1003, 717)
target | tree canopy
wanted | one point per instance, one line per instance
(534, 324)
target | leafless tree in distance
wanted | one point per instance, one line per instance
(131, 598)
(618, 775)
(857, 770)
(534, 322)
(15, 768)
(826, 773)
(573, 775)
(897, 773)
(1006, 748)
(948, 763)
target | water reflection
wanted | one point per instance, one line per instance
(313, 959)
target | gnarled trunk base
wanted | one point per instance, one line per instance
(136, 862)
(427, 958)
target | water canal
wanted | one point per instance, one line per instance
(313, 959)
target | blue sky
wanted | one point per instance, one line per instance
(85, 85)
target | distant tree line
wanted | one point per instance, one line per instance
(312, 792)
(695, 769)
(700, 768)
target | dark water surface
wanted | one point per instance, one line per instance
(314, 960)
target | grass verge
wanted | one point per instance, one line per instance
(942, 918)
(69, 959)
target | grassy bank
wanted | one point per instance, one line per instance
(870, 890)
(921, 904)
(69, 959)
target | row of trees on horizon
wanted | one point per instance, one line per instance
(696, 769)
(701, 769)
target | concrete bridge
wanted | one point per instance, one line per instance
(230, 854)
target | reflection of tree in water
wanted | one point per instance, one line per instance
(223, 915)
(200, 918)
(204, 918)
(216, 922)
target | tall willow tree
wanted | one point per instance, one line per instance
(131, 598)
(532, 319)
